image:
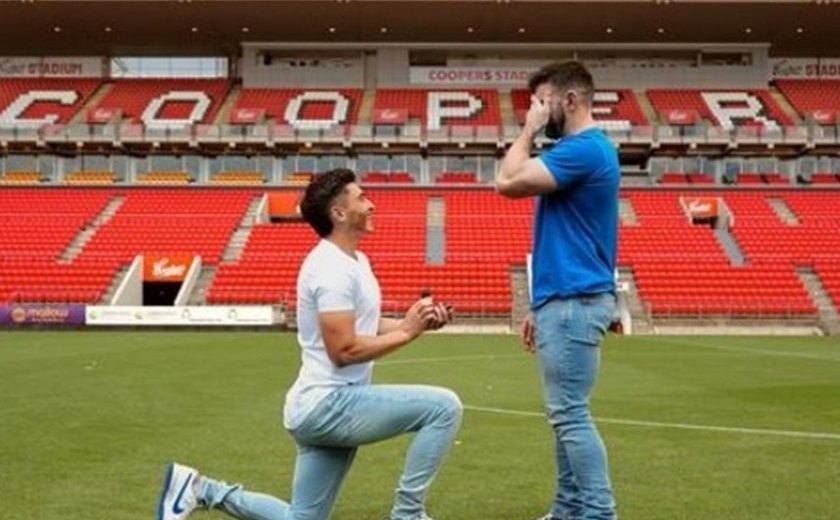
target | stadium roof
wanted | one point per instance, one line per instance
(182, 27)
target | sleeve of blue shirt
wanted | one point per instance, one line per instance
(568, 161)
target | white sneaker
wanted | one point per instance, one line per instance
(179, 495)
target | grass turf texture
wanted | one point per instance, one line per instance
(88, 421)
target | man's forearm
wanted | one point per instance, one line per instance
(517, 155)
(368, 348)
(386, 325)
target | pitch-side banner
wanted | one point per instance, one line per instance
(516, 76)
(39, 314)
(46, 67)
(210, 315)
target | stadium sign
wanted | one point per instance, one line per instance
(41, 67)
(805, 68)
(517, 76)
(171, 268)
(700, 207)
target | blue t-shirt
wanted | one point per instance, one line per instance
(576, 227)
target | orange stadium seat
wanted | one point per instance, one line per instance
(164, 177)
(91, 177)
(20, 177)
(299, 178)
(237, 177)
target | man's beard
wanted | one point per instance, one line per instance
(554, 127)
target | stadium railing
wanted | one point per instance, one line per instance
(412, 133)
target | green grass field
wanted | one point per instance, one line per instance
(697, 428)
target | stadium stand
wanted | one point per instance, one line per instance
(680, 178)
(169, 221)
(36, 225)
(439, 108)
(237, 177)
(24, 102)
(91, 177)
(815, 100)
(299, 178)
(725, 108)
(680, 268)
(165, 101)
(613, 108)
(456, 178)
(700, 178)
(825, 178)
(376, 177)
(829, 272)
(20, 177)
(304, 109)
(164, 177)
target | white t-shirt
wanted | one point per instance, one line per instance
(330, 280)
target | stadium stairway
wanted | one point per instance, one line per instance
(784, 212)
(506, 109)
(81, 116)
(730, 246)
(366, 107)
(233, 250)
(115, 284)
(521, 303)
(639, 315)
(223, 115)
(85, 235)
(785, 105)
(646, 106)
(435, 231)
(829, 318)
(198, 296)
(626, 212)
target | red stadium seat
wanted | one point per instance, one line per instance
(726, 108)
(166, 101)
(304, 109)
(614, 109)
(28, 102)
(816, 100)
(437, 109)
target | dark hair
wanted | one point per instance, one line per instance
(565, 75)
(320, 194)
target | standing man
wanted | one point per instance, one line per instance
(576, 183)
(332, 408)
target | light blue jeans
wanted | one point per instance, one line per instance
(327, 441)
(568, 336)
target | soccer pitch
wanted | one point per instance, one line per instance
(697, 428)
